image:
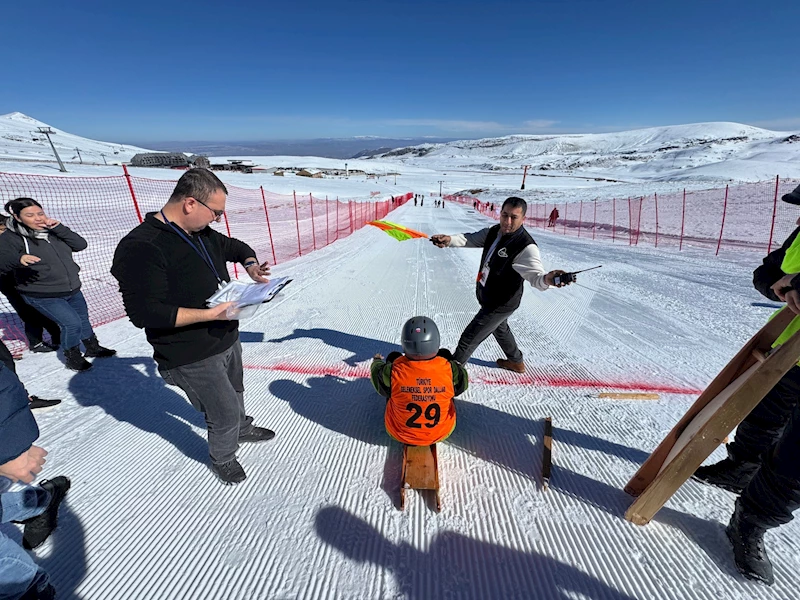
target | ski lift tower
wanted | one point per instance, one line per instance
(47, 131)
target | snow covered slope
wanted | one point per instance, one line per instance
(699, 151)
(316, 517)
(20, 139)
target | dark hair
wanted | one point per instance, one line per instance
(15, 206)
(197, 183)
(514, 202)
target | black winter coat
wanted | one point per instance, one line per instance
(770, 270)
(56, 275)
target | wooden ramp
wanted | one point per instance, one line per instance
(725, 403)
(420, 472)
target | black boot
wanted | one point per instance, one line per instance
(95, 350)
(75, 360)
(38, 529)
(727, 474)
(749, 553)
(42, 347)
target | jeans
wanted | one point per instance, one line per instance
(215, 387)
(71, 314)
(18, 572)
(485, 323)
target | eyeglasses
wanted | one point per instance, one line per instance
(217, 213)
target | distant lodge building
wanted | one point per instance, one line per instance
(169, 160)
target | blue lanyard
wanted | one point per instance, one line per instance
(204, 254)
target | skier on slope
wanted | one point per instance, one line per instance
(763, 464)
(510, 256)
(420, 386)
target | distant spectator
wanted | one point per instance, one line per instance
(551, 222)
(39, 250)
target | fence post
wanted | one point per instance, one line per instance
(228, 228)
(133, 194)
(683, 219)
(269, 229)
(327, 221)
(580, 218)
(337, 219)
(565, 218)
(613, 219)
(630, 223)
(544, 221)
(350, 213)
(639, 220)
(313, 227)
(656, 197)
(722, 226)
(594, 220)
(297, 223)
(774, 210)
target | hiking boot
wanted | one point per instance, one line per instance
(727, 474)
(258, 434)
(35, 402)
(230, 472)
(38, 529)
(42, 347)
(95, 350)
(510, 365)
(75, 360)
(749, 553)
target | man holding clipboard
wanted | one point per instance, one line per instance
(167, 268)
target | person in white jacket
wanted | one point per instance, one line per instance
(510, 257)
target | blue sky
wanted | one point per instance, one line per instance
(145, 71)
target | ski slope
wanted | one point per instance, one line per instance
(316, 517)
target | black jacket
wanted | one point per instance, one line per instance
(56, 274)
(504, 286)
(159, 272)
(770, 270)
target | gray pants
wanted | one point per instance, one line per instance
(486, 323)
(215, 387)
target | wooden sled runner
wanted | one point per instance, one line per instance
(420, 472)
(725, 403)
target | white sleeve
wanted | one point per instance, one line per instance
(528, 264)
(469, 240)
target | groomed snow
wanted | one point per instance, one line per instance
(316, 517)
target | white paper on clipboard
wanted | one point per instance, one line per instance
(248, 296)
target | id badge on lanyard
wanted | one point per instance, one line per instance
(483, 276)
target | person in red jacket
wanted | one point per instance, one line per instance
(420, 386)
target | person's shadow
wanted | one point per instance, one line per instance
(456, 566)
(142, 399)
(363, 348)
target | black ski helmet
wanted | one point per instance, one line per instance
(420, 339)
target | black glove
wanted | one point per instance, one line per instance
(445, 353)
(393, 356)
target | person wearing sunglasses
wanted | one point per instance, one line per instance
(167, 268)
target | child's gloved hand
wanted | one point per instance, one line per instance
(393, 356)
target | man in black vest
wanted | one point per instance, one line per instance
(510, 256)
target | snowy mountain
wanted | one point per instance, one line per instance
(697, 151)
(21, 140)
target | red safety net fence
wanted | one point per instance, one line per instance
(103, 210)
(747, 216)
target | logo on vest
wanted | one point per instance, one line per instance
(502, 253)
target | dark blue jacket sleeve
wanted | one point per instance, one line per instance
(18, 428)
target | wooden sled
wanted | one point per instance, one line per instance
(725, 403)
(420, 472)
